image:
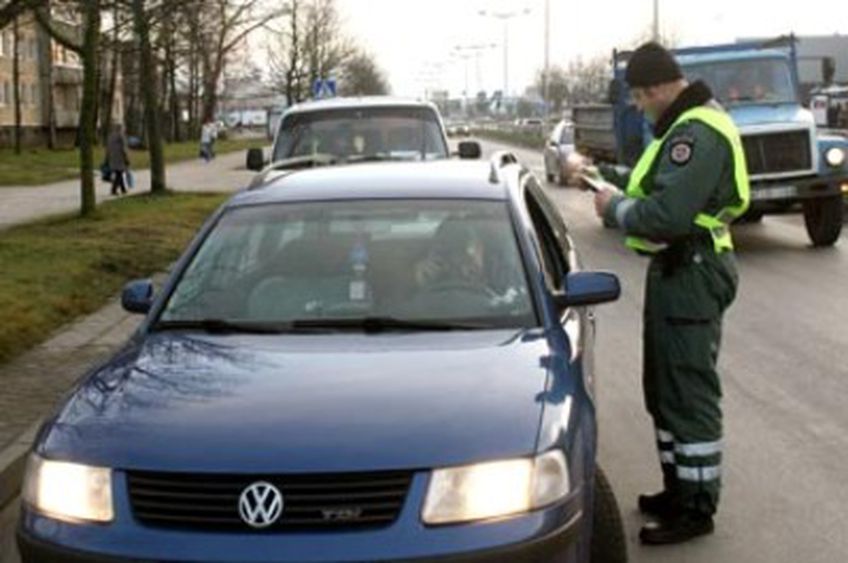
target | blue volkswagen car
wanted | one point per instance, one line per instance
(373, 363)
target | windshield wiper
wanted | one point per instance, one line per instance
(371, 158)
(306, 161)
(222, 326)
(383, 324)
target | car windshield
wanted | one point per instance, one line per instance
(406, 260)
(407, 133)
(745, 82)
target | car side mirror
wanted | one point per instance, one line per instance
(588, 288)
(552, 144)
(255, 159)
(137, 296)
(470, 150)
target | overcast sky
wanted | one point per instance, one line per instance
(413, 39)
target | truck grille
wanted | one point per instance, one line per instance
(775, 153)
(317, 501)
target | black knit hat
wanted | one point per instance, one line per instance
(651, 64)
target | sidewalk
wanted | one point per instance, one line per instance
(33, 383)
(24, 204)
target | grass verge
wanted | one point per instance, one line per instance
(54, 270)
(35, 167)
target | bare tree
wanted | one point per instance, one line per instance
(557, 86)
(314, 46)
(325, 46)
(141, 24)
(224, 25)
(284, 56)
(362, 77)
(16, 82)
(88, 49)
(588, 81)
(12, 9)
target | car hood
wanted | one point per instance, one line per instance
(307, 403)
(780, 115)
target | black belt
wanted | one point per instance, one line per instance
(682, 250)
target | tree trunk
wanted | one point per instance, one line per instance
(194, 89)
(151, 109)
(109, 96)
(16, 82)
(88, 112)
(176, 133)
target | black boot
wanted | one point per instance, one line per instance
(659, 504)
(677, 529)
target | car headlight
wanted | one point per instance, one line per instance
(835, 156)
(495, 489)
(68, 491)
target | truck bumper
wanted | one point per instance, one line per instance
(780, 195)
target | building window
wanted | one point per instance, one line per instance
(3, 94)
(34, 89)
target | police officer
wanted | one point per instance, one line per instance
(689, 184)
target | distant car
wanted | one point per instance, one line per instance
(355, 130)
(381, 362)
(559, 146)
(529, 122)
(458, 129)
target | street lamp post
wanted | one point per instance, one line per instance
(656, 29)
(464, 51)
(546, 78)
(505, 17)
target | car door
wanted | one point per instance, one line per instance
(552, 150)
(559, 258)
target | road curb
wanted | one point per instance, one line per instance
(13, 462)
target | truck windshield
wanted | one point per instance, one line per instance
(397, 133)
(746, 82)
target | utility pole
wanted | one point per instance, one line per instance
(546, 77)
(656, 33)
(505, 17)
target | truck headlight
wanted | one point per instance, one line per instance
(835, 157)
(495, 489)
(68, 491)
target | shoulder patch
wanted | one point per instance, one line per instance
(682, 147)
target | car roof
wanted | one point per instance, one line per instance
(439, 179)
(358, 102)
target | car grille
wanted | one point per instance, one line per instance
(775, 153)
(316, 501)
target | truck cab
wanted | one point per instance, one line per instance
(790, 162)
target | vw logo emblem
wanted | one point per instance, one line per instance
(260, 504)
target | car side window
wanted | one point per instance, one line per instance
(554, 263)
(555, 220)
(556, 134)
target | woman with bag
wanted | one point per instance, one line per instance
(119, 162)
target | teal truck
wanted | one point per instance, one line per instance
(793, 166)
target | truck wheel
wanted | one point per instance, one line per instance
(823, 219)
(609, 543)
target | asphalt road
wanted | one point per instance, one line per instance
(784, 366)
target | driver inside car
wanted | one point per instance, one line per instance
(456, 257)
